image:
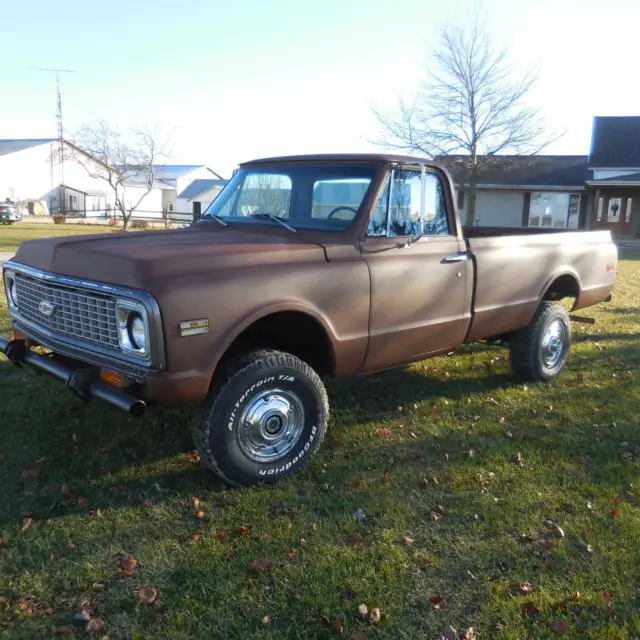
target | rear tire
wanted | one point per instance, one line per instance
(267, 419)
(539, 352)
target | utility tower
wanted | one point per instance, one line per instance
(61, 204)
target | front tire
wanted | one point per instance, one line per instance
(539, 352)
(265, 422)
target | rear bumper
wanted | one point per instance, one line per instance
(81, 380)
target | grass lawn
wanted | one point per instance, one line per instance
(12, 235)
(509, 508)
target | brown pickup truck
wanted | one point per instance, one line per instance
(303, 268)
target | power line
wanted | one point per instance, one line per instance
(60, 127)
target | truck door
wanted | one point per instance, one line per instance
(421, 277)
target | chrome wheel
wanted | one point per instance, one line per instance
(270, 425)
(553, 344)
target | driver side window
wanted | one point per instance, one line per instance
(398, 212)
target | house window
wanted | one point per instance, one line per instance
(613, 214)
(551, 209)
(73, 202)
(460, 199)
(170, 207)
(600, 208)
(627, 213)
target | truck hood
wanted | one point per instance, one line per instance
(141, 259)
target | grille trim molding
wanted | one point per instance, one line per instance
(99, 290)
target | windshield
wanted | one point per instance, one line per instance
(312, 196)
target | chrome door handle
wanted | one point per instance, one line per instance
(456, 257)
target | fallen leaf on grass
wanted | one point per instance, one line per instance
(242, 530)
(530, 609)
(266, 619)
(30, 473)
(260, 566)
(360, 515)
(470, 634)
(126, 563)
(147, 595)
(437, 603)
(294, 555)
(26, 523)
(407, 540)
(363, 610)
(354, 539)
(94, 625)
(519, 459)
(194, 537)
(616, 500)
(436, 513)
(560, 626)
(64, 631)
(606, 594)
(615, 512)
(383, 432)
(521, 589)
(26, 608)
(71, 544)
(339, 628)
(376, 615)
(199, 514)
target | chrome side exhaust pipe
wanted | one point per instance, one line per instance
(18, 353)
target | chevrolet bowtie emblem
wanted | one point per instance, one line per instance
(46, 308)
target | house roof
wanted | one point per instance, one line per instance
(615, 142)
(174, 171)
(199, 186)
(13, 145)
(521, 171)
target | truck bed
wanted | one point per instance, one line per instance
(514, 267)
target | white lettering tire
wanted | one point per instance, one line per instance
(223, 433)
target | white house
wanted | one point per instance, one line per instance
(31, 174)
(198, 195)
(176, 179)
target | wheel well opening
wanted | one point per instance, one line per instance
(290, 331)
(565, 286)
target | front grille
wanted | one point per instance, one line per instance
(76, 313)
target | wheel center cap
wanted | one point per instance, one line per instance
(273, 425)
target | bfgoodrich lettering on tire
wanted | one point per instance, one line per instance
(265, 422)
(539, 351)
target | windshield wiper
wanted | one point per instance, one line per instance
(270, 216)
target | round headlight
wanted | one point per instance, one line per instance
(12, 292)
(137, 332)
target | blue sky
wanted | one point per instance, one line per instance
(238, 80)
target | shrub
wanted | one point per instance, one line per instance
(139, 224)
(59, 218)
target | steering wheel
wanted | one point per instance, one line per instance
(331, 214)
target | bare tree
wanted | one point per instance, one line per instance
(469, 104)
(126, 162)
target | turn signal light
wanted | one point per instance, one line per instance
(194, 327)
(113, 378)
